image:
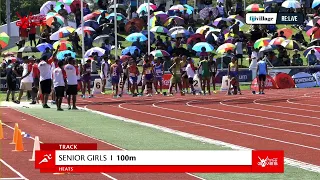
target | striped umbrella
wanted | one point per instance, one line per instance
(65, 31)
(203, 28)
(4, 40)
(86, 29)
(211, 35)
(162, 15)
(119, 16)
(277, 41)
(98, 50)
(225, 48)
(159, 29)
(291, 44)
(175, 28)
(46, 7)
(308, 50)
(198, 47)
(255, 8)
(144, 7)
(261, 43)
(177, 7)
(50, 18)
(237, 17)
(64, 45)
(291, 4)
(178, 20)
(220, 20)
(160, 53)
(105, 13)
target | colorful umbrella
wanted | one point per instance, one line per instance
(98, 50)
(217, 22)
(291, 4)
(28, 49)
(162, 15)
(177, 7)
(134, 36)
(160, 53)
(145, 33)
(287, 32)
(204, 13)
(138, 23)
(237, 17)
(203, 28)
(12, 58)
(307, 51)
(291, 44)
(93, 15)
(267, 48)
(130, 49)
(189, 7)
(46, 7)
(92, 23)
(175, 28)
(64, 45)
(4, 40)
(67, 2)
(180, 33)
(118, 6)
(119, 16)
(196, 37)
(61, 54)
(211, 35)
(43, 46)
(277, 41)
(86, 29)
(198, 47)
(105, 13)
(225, 48)
(255, 8)
(315, 4)
(159, 29)
(74, 4)
(144, 8)
(50, 18)
(178, 20)
(261, 43)
(65, 31)
(58, 7)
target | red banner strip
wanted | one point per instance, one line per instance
(69, 146)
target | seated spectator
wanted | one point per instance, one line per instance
(312, 58)
(296, 60)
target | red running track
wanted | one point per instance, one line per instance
(50, 133)
(268, 121)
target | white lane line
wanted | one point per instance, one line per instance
(13, 170)
(10, 178)
(230, 120)
(302, 104)
(107, 175)
(104, 174)
(288, 161)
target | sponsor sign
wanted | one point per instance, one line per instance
(317, 77)
(284, 81)
(304, 80)
(269, 84)
(290, 18)
(261, 18)
(3, 84)
(245, 75)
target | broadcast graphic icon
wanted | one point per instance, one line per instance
(263, 162)
(46, 159)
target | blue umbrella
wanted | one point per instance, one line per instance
(315, 4)
(197, 47)
(92, 23)
(119, 16)
(42, 47)
(134, 36)
(61, 54)
(130, 50)
(188, 7)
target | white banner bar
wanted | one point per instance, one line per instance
(101, 157)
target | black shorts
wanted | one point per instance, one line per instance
(72, 90)
(59, 91)
(46, 86)
(36, 82)
(190, 80)
(32, 37)
(262, 77)
(12, 85)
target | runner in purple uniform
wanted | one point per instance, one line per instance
(86, 78)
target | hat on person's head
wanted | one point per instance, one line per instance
(31, 58)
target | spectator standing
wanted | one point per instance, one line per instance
(77, 15)
(86, 10)
(32, 34)
(12, 74)
(64, 13)
(26, 79)
(239, 50)
(59, 84)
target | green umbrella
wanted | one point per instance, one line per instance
(4, 40)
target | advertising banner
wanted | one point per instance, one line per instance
(304, 80)
(270, 84)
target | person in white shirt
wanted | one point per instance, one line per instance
(239, 51)
(59, 84)
(190, 69)
(26, 79)
(45, 78)
(104, 73)
(72, 82)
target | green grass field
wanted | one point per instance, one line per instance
(136, 137)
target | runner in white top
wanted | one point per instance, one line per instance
(26, 79)
(72, 81)
(104, 73)
(190, 69)
(59, 83)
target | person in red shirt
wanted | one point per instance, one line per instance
(32, 33)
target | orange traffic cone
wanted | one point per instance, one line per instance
(1, 131)
(15, 133)
(19, 143)
(36, 147)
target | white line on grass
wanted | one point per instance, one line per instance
(13, 170)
